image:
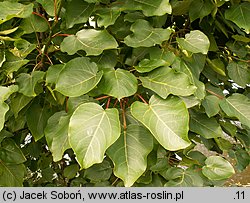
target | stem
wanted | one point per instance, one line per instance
(122, 105)
(144, 101)
(103, 97)
(108, 103)
(215, 94)
(55, 11)
(116, 101)
(66, 104)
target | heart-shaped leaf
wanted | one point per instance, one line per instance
(129, 153)
(166, 119)
(91, 131)
(217, 168)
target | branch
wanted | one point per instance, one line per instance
(215, 94)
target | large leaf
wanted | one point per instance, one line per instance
(56, 133)
(149, 7)
(18, 102)
(11, 175)
(165, 81)
(239, 73)
(195, 42)
(129, 153)
(78, 77)
(77, 11)
(93, 42)
(239, 14)
(27, 82)
(48, 5)
(200, 9)
(237, 106)
(34, 23)
(217, 168)
(11, 153)
(204, 126)
(91, 131)
(144, 35)
(166, 119)
(118, 83)
(10, 10)
(37, 117)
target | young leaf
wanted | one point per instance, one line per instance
(56, 133)
(217, 168)
(166, 119)
(144, 35)
(91, 131)
(211, 105)
(165, 81)
(237, 106)
(195, 42)
(239, 14)
(78, 77)
(118, 83)
(93, 42)
(3, 110)
(129, 153)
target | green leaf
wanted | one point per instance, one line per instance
(37, 117)
(9, 10)
(217, 65)
(239, 73)
(165, 81)
(237, 106)
(107, 16)
(27, 82)
(74, 102)
(129, 153)
(77, 11)
(183, 178)
(34, 23)
(204, 126)
(211, 105)
(11, 175)
(53, 73)
(99, 172)
(195, 42)
(92, 41)
(166, 119)
(3, 110)
(56, 133)
(22, 48)
(9, 31)
(71, 171)
(2, 57)
(13, 63)
(78, 77)
(217, 168)
(200, 9)
(149, 7)
(5, 92)
(239, 14)
(91, 131)
(11, 153)
(144, 35)
(118, 83)
(18, 102)
(147, 65)
(48, 5)
(106, 61)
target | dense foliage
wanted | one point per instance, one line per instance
(123, 92)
